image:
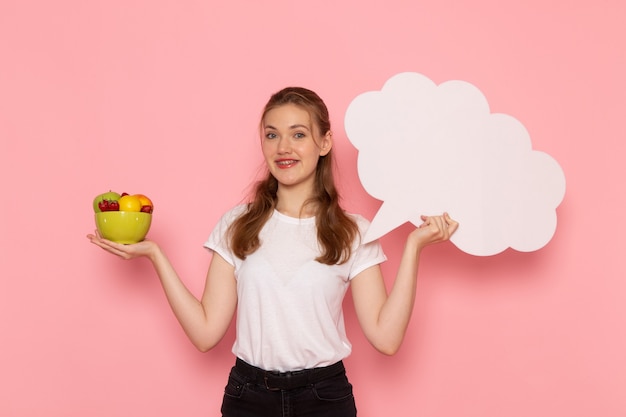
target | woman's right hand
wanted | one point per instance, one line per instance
(146, 248)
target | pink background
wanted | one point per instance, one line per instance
(163, 98)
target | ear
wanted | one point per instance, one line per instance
(327, 143)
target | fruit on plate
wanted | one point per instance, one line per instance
(123, 218)
(112, 201)
(106, 202)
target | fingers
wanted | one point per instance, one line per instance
(452, 224)
(441, 227)
(110, 246)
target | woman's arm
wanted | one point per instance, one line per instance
(205, 321)
(384, 317)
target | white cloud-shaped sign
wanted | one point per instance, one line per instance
(427, 148)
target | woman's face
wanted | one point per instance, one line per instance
(292, 145)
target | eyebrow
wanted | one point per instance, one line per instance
(292, 127)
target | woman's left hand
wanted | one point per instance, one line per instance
(434, 229)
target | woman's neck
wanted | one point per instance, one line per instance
(294, 204)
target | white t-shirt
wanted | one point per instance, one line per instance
(289, 311)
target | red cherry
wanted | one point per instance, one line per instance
(109, 205)
(146, 209)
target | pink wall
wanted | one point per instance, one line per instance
(162, 97)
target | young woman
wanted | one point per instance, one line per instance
(284, 262)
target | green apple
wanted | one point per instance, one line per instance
(109, 196)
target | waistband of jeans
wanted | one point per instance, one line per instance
(278, 381)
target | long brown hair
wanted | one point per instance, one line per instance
(336, 230)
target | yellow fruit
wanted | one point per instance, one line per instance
(130, 203)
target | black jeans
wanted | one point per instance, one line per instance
(319, 392)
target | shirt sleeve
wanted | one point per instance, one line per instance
(368, 254)
(218, 239)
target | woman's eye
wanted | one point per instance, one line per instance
(299, 135)
(270, 135)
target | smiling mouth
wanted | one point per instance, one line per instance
(286, 163)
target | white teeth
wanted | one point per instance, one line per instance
(286, 162)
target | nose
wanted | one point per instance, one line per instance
(284, 146)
